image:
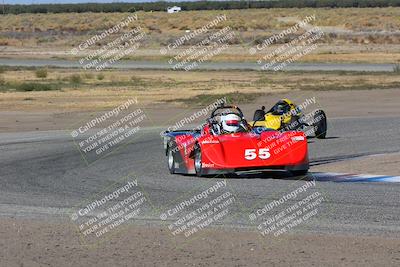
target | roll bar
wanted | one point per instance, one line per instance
(223, 107)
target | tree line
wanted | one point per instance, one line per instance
(197, 5)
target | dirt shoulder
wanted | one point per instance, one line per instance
(337, 104)
(40, 243)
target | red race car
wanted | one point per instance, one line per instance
(226, 143)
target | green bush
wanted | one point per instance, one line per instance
(2, 81)
(41, 73)
(28, 87)
(100, 76)
(75, 79)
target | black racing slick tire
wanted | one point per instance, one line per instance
(320, 124)
(294, 124)
(171, 159)
(198, 162)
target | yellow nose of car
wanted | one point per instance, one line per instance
(271, 121)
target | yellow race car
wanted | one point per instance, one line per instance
(286, 116)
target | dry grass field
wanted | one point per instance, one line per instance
(72, 89)
(351, 34)
(250, 20)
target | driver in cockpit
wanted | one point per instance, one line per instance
(228, 124)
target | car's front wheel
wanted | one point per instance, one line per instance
(198, 162)
(171, 160)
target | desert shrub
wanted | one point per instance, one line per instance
(100, 76)
(3, 69)
(41, 73)
(75, 79)
(27, 87)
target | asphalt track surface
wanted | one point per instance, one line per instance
(42, 174)
(205, 66)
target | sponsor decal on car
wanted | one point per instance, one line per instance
(210, 142)
(208, 165)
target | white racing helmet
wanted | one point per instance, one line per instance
(230, 123)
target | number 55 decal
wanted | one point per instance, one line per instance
(263, 153)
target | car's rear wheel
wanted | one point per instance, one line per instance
(294, 124)
(320, 126)
(198, 162)
(171, 160)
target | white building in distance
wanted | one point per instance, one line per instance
(174, 9)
